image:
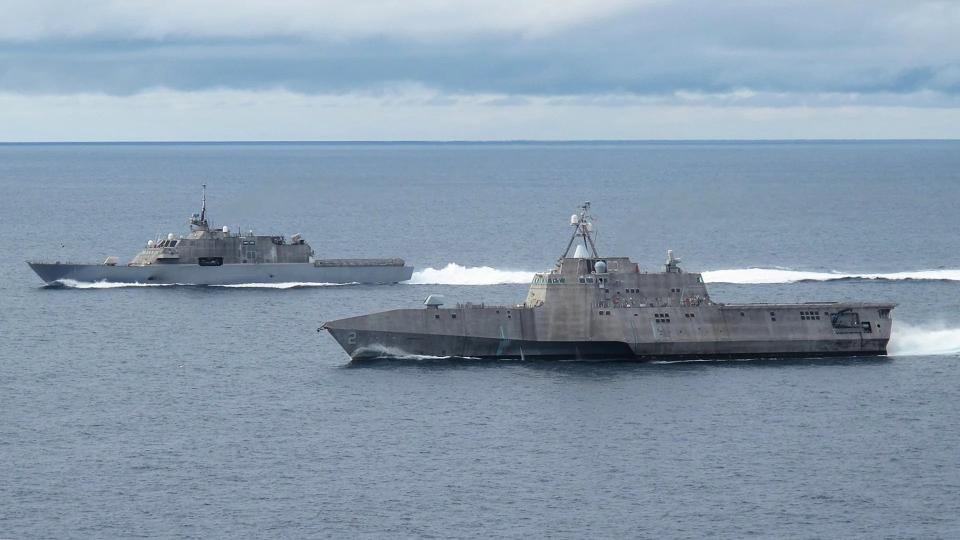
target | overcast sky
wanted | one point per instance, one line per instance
(469, 70)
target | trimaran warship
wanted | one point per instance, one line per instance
(216, 256)
(590, 306)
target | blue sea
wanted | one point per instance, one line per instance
(221, 412)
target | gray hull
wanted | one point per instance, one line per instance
(373, 345)
(227, 274)
(715, 332)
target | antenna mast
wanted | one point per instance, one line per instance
(200, 220)
(583, 227)
(203, 204)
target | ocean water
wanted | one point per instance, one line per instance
(199, 412)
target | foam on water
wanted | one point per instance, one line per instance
(923, 340)
(383, 351)
(73, 284)
(780, 275)
(454, 274)
(289, 285)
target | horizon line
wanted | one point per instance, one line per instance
(466, 141)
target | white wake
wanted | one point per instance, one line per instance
(454, 274)
(779, 275)
(287, 285)
(926, 340)
(377, 350)
(73, 284)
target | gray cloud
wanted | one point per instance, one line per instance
(655, 48)
(478, 69)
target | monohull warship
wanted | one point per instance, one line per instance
(217, 256)
(589, 306)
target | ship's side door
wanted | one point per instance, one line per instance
(249, 251)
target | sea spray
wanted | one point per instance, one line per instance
(923, 340)
(780, 275)
(73, 284)
(454, 274)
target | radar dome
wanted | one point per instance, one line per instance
(150, 243)
(601, 267)
(226, 229)
(574, 219)
(171, 236)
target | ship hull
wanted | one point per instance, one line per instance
(716, 332)
(375, 345)
(227, 274)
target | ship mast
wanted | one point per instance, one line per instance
(200, 220)
(583, 227)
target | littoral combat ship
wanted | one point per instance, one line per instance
(590, 306)
(215, 256)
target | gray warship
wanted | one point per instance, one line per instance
(593, 307)
(217, 256)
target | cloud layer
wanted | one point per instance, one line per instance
(537, 55)
(168, 115)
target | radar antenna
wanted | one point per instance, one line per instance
(200, 220)
(582, 223)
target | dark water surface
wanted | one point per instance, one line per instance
(221, 412)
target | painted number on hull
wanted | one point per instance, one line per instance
(352, 338)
